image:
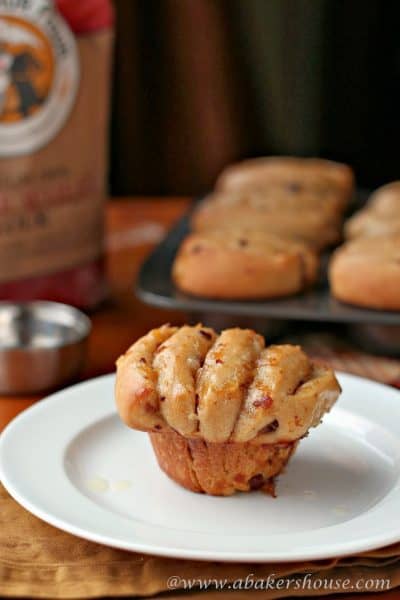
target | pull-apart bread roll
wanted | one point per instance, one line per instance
(224, 412)
(366, 272)
(312, 174)
(272, 198)
(368, 224)
(386, 199)
(317, 228)
(240, 264)
(381, 215)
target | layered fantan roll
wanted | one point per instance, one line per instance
(367, 223)
(366, 272)
(242, 264)
(267, 200)
(386, 199)
(381, 215)
(311, 174)
(317, 228)
(224, 412)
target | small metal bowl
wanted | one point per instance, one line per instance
(42, 346)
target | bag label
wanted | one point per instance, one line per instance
(39, 75)
(52, 198)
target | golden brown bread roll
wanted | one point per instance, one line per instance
(386, 199)
(368, 223)
(271, 199)
(308, 174)
(381, 215)
(225, 412)
(366, 272)
(241, 264)
(316, 228)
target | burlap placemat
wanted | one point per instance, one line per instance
(41, 561)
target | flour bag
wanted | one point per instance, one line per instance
(55, 62)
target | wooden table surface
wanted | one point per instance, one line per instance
(134, 226)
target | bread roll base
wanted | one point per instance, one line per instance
(220, 469)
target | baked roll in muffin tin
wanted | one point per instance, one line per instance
(301, 200)
(156, 287)
(243, 264)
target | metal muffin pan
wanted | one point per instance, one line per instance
(155, 287)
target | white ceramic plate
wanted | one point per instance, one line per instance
(72, 463)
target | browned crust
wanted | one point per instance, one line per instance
(173, 456)
(220, 469)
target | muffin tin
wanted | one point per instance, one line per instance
(155, 287)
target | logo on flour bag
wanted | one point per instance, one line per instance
(39, 74)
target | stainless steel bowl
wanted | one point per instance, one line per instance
(42, 346)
